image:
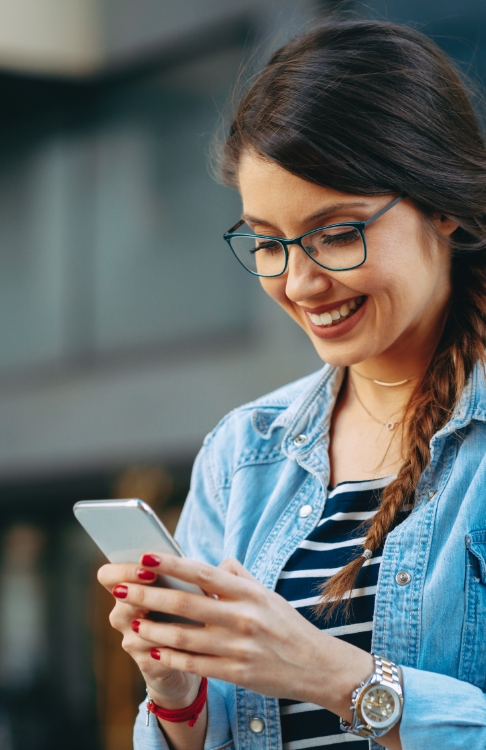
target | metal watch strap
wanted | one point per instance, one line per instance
(386, 674)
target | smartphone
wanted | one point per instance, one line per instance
(124, 530)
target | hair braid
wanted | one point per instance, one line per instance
(462, 345)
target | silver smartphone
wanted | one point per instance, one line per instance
(124, 530)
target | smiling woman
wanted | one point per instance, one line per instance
(338, 525)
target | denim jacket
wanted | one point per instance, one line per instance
(267, 459)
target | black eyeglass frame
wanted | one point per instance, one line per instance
(359, 225)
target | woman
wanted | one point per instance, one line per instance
(363, 180)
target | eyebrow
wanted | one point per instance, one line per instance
(313, 217)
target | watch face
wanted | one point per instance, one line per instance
(379, 706)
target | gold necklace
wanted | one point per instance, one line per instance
(380, 382)
(389, 424)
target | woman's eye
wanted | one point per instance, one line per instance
(269, 247)
(340, 238)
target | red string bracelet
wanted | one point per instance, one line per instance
(180, 715)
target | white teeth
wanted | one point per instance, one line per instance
(327, 318)
(344, 310)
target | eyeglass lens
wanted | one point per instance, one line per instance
(335, 248)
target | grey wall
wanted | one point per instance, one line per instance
(127, 329)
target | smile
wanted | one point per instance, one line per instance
(332, 317)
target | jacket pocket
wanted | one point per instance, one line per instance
(472, 667)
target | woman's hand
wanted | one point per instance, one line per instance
(252, 636)
(168, 687)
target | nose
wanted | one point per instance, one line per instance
(304, 277)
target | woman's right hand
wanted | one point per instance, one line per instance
(167, 687)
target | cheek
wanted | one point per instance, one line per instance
(401, 260)
(402, 285)
(390, 271)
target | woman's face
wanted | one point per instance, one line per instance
(397, 300)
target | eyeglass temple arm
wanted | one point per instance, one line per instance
(236, 226)
(384, 210)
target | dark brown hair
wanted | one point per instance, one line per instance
(372, 107)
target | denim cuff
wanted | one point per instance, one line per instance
(440, 711)
(218, 735)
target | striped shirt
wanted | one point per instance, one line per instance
(336, 540)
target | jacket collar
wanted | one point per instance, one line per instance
(309, 415)
(307, 419)
(472, 404)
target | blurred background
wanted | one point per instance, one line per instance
(127, 330)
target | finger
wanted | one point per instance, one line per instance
(175, 602)
(111, 574)
(182, 637)
(185, 662)
(136, 646)
(122, 616)
(217, 667)
(140, 652)
(210, 579)
(137, 642)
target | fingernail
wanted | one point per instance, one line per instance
(146, 575)
(150, 561)
(136, 625)
(155, 654)
(120, 592)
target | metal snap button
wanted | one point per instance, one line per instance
(403, 578)
(432, 494)
(300, 440)
(257, 725)
(305, 511)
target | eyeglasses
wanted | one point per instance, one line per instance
(336, 247)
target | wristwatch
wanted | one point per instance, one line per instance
(377, 704)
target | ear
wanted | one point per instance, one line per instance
(445, 225)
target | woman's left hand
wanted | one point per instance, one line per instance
(252, 636)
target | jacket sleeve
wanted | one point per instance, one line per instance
(200, 534)
(218, 735)
(200, 531)
(441, 712)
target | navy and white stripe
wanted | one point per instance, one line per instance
(337, 539)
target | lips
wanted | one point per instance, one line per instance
(338, 327)
(336, 312)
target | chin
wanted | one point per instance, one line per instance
(332, 356)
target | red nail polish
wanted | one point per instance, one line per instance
(150, 561)
(136, 625)
(155, 654)
(146, 575)
(120, 592)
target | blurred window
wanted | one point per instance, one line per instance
(110, 224)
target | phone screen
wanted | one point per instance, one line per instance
(124, 530)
